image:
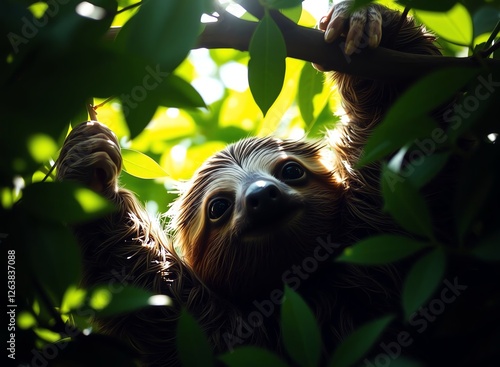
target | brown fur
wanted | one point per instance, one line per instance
(222, 269)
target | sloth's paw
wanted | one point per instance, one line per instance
(361, 27)
(91, 155)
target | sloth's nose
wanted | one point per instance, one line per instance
(264, 200)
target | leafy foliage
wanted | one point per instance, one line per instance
(55, 60)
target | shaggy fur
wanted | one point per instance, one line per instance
(228, 265)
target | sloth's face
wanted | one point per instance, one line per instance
(254, 210)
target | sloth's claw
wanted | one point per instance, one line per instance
(363, 23)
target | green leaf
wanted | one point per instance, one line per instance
(422, 166)
(399, 127)
(266, 68)
(162, 32)
(192, 344)
(74, 202)
(357, 4)
(139, 107)
(485, 19)
(422, 280)
(488, 249)
(140, 165)
(429, 167)
(310, 84)
(293, 14)
(471, 110)
(455, 25)
(431, 5)
(119, 297)
(476, 187)
(176, 92)
(381, 249)
(392, 135)
(301, 334)
(359, 343)
(282, 4)
(54, 257)
(405, 203)
(251, 357)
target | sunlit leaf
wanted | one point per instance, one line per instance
(140, 165)
(455, 25)
(25, 320)
(42, 147)
(47, 335)
(282, 4)
(360, 3)
(293, 13)
(167, 125)
(432, 5)
(90, 202)
(239, 109)
(73, 298)
(422, 280)
(358, 343)
(266, 68)
(124, 297)
(251, 357)
(301, 334)
(192, 344)
(182, 162)
(311, 83)
(381, 249)
(100, 298)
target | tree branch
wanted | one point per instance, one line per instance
(308, 44)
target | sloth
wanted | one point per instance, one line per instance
(258, 215)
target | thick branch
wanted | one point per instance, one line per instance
(308, 44)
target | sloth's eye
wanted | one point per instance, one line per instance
(292, 171)
(218, 207)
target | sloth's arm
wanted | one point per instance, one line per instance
(129, 248)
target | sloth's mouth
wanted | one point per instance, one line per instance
(282, 223)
